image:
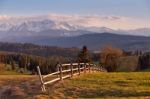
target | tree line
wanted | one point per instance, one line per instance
(26, 62)
(113, 58)
(29, 62)
(109, 57)
(39, 50)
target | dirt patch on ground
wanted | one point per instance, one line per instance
(20, 87)
(13, 93)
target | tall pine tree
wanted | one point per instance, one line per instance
(84, 56)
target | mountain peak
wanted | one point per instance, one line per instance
(61, 24)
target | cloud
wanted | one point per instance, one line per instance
(3, 17)
(113, 22)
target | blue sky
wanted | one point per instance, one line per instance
(128, 8)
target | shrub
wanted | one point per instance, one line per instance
(109, 56)
(127, 63)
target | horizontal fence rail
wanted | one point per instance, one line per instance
(67, 71)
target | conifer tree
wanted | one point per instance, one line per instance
(84, 56)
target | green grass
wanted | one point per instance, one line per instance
(105, 85)
(5, 69)
(131, 85)
(9, 73)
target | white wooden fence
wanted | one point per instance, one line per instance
(67, 71)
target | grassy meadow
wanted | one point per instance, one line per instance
(5, 69)
(90, 85)
(105, 85)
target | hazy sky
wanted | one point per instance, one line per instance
(134, 9)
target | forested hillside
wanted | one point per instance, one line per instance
(45, 51)
(24, 63)
(24, 58)
(94, 41)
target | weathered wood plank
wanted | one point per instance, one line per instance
(51, 74)
(68, 70)
(67, 76)
(41, 79)
(77, 67)
(52, 81)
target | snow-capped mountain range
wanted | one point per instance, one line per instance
(56, 25)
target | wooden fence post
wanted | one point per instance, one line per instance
(57, 69)
(96, 69)
(100, 68)
(79, 68)
(60, 70)
(41, 79)
(89, 67)
(84, 67)
(92, 68)
(71, 67)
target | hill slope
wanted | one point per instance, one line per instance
(95, 41)
(32, 49)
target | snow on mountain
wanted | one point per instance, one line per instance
(140, 31)
(66, 25)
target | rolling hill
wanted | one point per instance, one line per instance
(93, 41)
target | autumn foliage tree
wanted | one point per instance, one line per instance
(109, 56)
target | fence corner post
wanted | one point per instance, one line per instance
(41, 79)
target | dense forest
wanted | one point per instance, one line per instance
(38, 50)
(25, 57)
(23, 62)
